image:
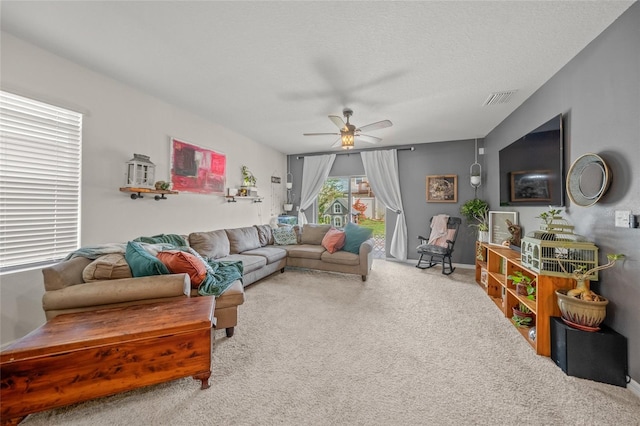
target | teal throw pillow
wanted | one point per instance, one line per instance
(354, 236)
(285, 236)
(143, 264)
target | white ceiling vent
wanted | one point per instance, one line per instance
(499, 98)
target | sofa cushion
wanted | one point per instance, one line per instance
(111, 266)
(306, 251)
(179, 262)
(143, 264)
(341, 257)
(354, 236)
(285, 236)
(271, 253)
(243, 239)
(333, 240)
(249, 263)
(313, 234)
(264, 234)
(213, 244)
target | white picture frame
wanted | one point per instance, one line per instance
(498, 228)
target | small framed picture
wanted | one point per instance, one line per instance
(499, 227)
(442, 189)
(530, 185)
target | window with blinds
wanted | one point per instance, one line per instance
(40, 159)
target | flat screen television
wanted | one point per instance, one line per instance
(532, 168)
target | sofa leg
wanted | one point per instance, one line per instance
(364, 278)
(282, 271)
(229, 331)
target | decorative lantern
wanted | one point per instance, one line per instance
(140, 172)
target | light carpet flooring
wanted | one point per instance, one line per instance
(407, 347)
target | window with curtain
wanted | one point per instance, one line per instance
(40, 166)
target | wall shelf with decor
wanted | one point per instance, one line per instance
(234, 198)
(493, 265)
(137, 193)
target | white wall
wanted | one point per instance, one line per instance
(118, 122)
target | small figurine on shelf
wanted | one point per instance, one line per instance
(247, 177)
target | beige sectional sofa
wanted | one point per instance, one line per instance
(66, 290)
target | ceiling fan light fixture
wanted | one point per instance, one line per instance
(347, 140)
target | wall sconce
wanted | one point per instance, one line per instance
(476, 171)
(140, 172)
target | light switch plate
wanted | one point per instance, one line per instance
(623, 218)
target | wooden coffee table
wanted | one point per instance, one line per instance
(81, 356)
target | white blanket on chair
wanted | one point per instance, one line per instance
(439, 231)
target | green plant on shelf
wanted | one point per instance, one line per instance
(522, 321)
(519, 278)
(476, 210)
(523, 308)
(548, 216)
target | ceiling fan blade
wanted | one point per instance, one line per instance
(338, 121)
(337, 143)
(368, 139)
(376, 126)
(319, 134)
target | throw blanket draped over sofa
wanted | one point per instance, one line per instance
(219, 263)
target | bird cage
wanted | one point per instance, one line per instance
(542, 251)
(140, 172)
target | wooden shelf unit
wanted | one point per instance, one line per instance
(496, 263)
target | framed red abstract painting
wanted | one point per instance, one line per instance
(197, 169)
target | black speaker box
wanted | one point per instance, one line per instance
(595, 355)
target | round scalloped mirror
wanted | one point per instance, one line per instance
(588, 179)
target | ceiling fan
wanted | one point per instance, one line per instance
(349, 132)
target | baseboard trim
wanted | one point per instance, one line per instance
(414, 261)
(634, 387)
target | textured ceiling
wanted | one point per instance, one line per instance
(274, 70)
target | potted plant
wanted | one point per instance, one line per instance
(580, 306)
(522, 315)
(476, 211)
(248, 180)
(525, 286)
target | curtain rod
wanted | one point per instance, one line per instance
(351, 152)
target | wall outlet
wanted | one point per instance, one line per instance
(623, 219)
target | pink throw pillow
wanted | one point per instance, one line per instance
(333, 240)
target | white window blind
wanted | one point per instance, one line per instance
(40, 159)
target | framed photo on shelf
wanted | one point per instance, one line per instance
(530, 185)
(442, 189)
(499, 228)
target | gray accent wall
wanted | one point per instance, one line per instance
(441, 158)
(598, 92)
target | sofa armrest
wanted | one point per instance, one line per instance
(64, 274)
(366, 247)
(110, 292)
(366, 259)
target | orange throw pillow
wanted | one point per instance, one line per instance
(333, 240)
(179, 262)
